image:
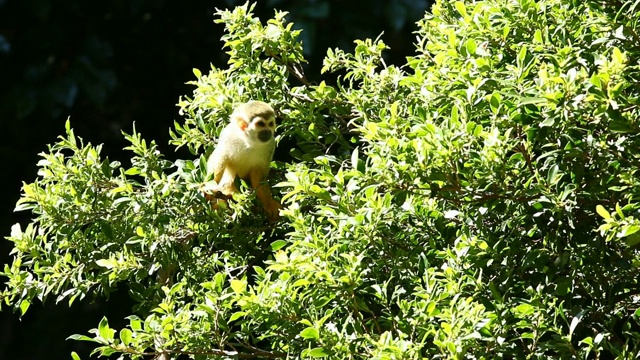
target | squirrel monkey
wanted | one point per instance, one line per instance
(245, 149)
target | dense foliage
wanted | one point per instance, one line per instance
(480, 202)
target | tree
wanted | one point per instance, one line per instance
(479, 202)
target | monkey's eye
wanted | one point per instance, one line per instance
(260, 123)
(272, 123)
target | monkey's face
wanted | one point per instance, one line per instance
(257, 120)
(261, 128)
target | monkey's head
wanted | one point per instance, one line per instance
(256, 119)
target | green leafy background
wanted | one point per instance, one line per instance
(476, 202)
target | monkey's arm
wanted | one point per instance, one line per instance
(227, 181)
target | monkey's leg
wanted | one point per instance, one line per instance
(271, 206)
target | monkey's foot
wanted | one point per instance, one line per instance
(272, 208)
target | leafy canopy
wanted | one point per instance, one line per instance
(479, 202)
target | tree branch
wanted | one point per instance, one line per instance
(295, 69)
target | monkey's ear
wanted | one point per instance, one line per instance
(241, 121)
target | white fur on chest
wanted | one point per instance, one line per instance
(246, 153)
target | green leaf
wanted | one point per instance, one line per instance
(277, 245)
(471, 46)
(218, 280)
(125, 336)
(521, 57)
(532, 101)
(495, 101)
(524, 310)
(140, 231)
(454, 114)
(300, 282)
(24, 306)
(551, 175)
(588, 340)
(237, 315)
(631, 229)
(310, 333)
(135, 323)
(106, 351)
(105, 263)
(75, 355)
(602, 212)
(537, 36)
(548, 122)
(133, 171)
(462, 9)
(318, 352)
(78, 337)
(104, 331)
(632, 240)
(238, 286)
(618, 56)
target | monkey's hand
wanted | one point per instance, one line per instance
(213, 193)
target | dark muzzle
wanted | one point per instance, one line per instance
(264, 135)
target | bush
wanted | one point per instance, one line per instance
(479, 202)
